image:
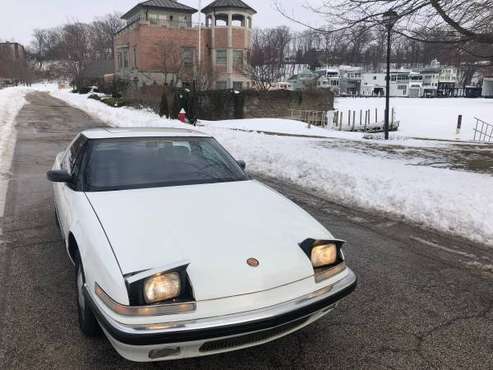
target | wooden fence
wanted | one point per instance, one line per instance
(363, 120)
(312, 117)
(352, 120)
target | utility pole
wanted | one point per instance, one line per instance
(389, 19)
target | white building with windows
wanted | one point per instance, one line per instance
(350, 80)
(415, 85)
(431, 77)
(374, 84)
(329, 79)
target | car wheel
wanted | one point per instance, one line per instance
(87, 321)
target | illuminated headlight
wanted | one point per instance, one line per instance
(161, 288)
(324, 255)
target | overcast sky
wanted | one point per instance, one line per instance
(18, 19)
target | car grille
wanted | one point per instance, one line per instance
(243, 340)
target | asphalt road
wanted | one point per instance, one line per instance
(424, 300)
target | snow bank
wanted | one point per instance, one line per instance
(297, 128)
(451, 201)
(271, 125)
(12, 99)
(121, 117)
(428, 118)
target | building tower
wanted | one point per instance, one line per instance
(230, 25)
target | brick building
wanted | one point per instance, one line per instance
(12, 62)
(161, 44)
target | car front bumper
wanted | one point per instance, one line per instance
(200, 337)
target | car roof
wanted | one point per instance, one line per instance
(114, 133)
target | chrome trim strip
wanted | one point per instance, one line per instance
(237, 318)
(322, 274)
(151, 310)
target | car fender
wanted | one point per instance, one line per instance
(99, 261)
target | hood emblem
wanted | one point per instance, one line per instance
(253, 262)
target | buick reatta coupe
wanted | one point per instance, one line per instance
(179, 253)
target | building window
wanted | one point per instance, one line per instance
(237, 85)
(188, 55)
(120, 60)
(125, 58)
(153, 18)
(238, 59)
(221, 85)
(221, 57)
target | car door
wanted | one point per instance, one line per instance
(64, 193)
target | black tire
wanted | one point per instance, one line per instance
(87, 321)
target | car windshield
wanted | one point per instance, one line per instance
(116, 164)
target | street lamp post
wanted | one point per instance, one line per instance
(389, 19)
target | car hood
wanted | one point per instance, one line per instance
(215, 229)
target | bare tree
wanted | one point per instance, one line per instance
(75, 41)
(70, 48)
(267, 62)
(466, 24)
(101, 33)
(204, 76)
(170, 61)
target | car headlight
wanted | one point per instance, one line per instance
(162, 287)
(324, 255)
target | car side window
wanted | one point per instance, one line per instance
(65, 165)
(69, 162)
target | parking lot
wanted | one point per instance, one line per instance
(424, 300)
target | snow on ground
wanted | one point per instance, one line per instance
(11, 101)
(121, 117)
(271, 125)
(427, 118)
(126, 117)
(451, 201)
(297, 128)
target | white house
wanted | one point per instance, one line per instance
(373, 84)
(449, 75)
(282, 85)
(431, 77)
(350, 80)
(415, 85)
(487, 87)
(329, 79)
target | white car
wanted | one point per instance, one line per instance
(179, 253)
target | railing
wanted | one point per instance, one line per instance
(170, 24)
(159, 22)
(315, 118)
(483, 132)
(363, 120)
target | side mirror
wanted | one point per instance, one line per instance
(59, 176)
(242, 164)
